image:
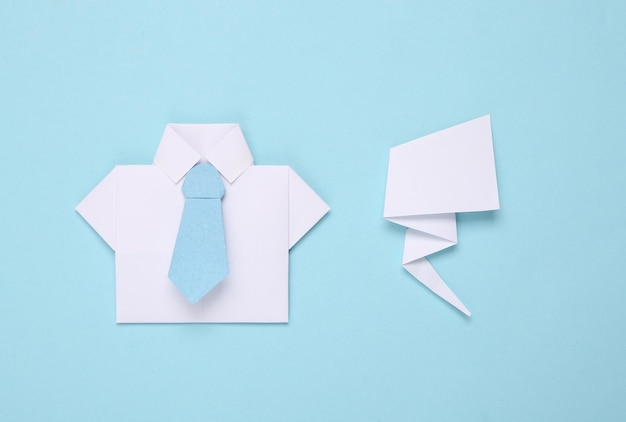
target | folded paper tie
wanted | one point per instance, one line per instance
(199, 260)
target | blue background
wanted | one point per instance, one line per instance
(327, 88)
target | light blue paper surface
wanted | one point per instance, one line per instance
(326, 87)
(199, 261)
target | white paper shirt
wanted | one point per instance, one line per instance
(267, 209)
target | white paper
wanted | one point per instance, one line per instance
(99, 205)
(305, 207)
(430, 179)
(138, 209)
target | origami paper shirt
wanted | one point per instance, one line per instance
(430, 179)
(266, 210)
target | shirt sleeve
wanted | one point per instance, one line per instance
(98, 208)
(306, 208)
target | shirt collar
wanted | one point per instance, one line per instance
(184, 145)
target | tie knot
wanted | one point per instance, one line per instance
(203, 181)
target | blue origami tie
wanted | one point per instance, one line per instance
(199, 261)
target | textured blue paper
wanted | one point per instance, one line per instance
(199, 260)
(326, 87)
